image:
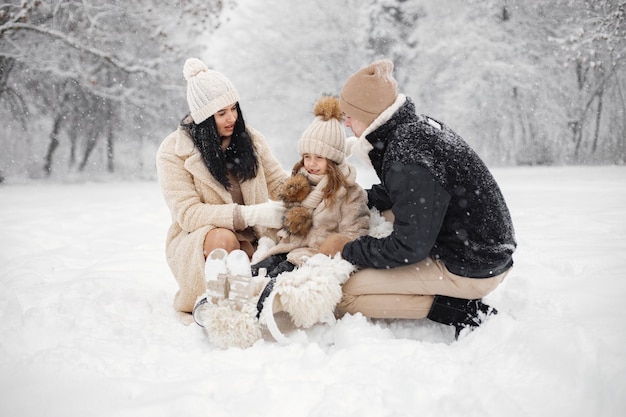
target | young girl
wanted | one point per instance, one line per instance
(325, 206)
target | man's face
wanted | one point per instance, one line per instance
(355, 125)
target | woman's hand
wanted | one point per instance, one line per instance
(268, 214)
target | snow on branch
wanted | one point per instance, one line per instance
(110, 58)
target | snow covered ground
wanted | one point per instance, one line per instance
(87, 327)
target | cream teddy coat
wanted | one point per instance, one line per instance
(198, 204)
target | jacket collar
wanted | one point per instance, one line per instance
(384, 116)
(383, 131)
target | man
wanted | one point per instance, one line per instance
(452, 239)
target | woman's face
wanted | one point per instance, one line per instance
(225, 120)
(315, 164)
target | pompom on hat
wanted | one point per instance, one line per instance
(208, 91)
(369, 91)
(326, 135)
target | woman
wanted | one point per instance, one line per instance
(217, 177)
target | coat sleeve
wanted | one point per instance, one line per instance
(355, 215)
(181, 195)
(419, 205)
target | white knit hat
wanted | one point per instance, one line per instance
(326, 135)
(208, 91)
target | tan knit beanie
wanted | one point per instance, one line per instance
(369, 91)
(326, 135)
(207, 91)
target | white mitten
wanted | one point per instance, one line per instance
(268, 214)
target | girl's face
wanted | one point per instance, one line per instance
(315, 164)
(225, 120)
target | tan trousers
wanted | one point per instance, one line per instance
(407, 292)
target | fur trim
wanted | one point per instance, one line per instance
(192, 67)
(328, 108)
(227, 327)
(379, 226)
(298, 220)
(310, 293)
(333, 244)
(295, 189)
(350, 144)
(384, 116)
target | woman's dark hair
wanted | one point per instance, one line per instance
(239, 158)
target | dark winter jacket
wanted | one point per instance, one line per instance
(445, 201)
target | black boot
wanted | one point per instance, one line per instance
(269, 263)
(459, 312)
(264, 294)
(284, 266)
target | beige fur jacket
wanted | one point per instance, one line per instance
(326, 228)
(198, 203)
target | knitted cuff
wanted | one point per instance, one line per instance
(238, 221)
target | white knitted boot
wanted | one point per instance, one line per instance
(232, 322)
(216, 275)
(239, 277)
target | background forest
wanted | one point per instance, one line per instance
(89, 88)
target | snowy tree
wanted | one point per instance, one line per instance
(89, 85)
(94, 71)
(511, 78)
(391, 33)
(596, 48)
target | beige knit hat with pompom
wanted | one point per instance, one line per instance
(326, 135)
(208, 91)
